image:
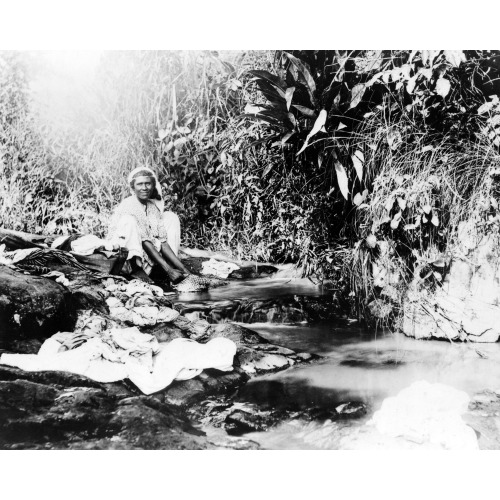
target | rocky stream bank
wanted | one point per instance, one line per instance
(60, 410)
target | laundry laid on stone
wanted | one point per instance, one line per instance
(218, 268)
(89, 243)
(119, 353)
(139, 304)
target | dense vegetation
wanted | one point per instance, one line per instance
(356, 165)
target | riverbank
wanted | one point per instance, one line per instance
(57, 410)
(304, 376)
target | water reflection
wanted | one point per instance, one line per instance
(359, 366)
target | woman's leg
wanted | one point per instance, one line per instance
(174, 274)
(170, 249)
(170, 257)
(126, 235)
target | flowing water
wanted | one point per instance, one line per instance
(357, 366)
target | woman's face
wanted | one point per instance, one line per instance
(143, 187)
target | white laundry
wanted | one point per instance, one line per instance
(88, 244)
(128, 353)
(218, 268)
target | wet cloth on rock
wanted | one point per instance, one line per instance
(218, 268)
(88, 244)
(127, 353)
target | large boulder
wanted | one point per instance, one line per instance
(32, 306)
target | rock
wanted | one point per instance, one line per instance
(32, 306)
(239, 422)
(252, 272)
(233, 443)
(467, 306)
(351, 410)
(275, 349)
(252, 361)
(42, 414)
(484, 417)
(304, 356)
(240, 335)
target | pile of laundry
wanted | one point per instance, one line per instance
(138, 303)
(100, 350)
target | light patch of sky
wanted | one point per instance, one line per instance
(64, 86)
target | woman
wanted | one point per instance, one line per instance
(151, 236)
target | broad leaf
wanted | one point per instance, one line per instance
(265, 75)
(271, 92)
(319, 125)
(374, 78)
(410, 86)
(288, 96)
(358, 160)
(305, 111)
(443, 87)
(342, 179)
(428, 56)
(426, 72)
(395, 221)
(487, 106)
(455, 57)
(358, 199)
(357, 93)
(286, 137)
(389, 204)
(302, 68)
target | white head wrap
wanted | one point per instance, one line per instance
(159, 203)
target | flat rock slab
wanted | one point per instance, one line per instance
(32, 306)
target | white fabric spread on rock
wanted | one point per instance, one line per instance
(128, 353)
(88, 244)
(218, 268)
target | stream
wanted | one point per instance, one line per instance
(358, 366)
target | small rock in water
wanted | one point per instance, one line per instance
(351, 410)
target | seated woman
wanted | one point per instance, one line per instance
(151, 236)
